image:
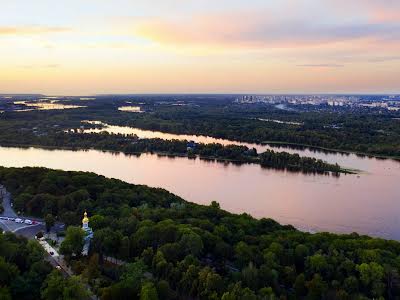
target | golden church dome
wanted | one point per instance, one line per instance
(85, 218)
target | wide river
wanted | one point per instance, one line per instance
(367, 203)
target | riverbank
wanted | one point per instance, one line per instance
(226, 154)
(99, 126)
(154, 229)
(329, 150)
(315, 202)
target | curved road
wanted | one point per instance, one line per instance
(28, 231)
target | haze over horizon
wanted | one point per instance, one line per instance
(173, 46)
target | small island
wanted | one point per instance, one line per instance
(131, 144)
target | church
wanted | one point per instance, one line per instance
(88, 233)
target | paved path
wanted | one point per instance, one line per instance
(30, 231)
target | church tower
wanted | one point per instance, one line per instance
(85, 222)
(88, 233)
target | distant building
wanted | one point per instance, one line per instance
(191, 145)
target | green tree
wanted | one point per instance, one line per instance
(50, 221)
(318, 263)
(301, 252)
(243, 253)
(53, 287)
(160, 265)
(147, 256)
(132, 278)
(21, 200)
(73, 242)
(164, 290)
(7, 272)
(250, 276)
(210, 283)
(369, 273)
(124, 248)
(300, 285)
(351, 284)
(266, 293)
(75, 290)
(92, 271)
(35, 252)
(317, 287)
(371, 276)
(148, 292)
(5, 293)
(191, 244)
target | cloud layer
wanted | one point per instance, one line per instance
(200, 46)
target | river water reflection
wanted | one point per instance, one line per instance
(346, 160)
(366, 203)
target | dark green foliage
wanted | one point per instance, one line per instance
(73, 242)
(56, 287)
(22, 268)
(174, 249)
(234, 123)
(375, 133)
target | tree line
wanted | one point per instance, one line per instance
(356, 131)
(175, 249)
(26, 275)
(130, 144)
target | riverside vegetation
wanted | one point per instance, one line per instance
(365, 131)
(20, 133)
(175, 249)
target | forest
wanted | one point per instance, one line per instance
(26, 275)
(174, 249)
(365, 133)
(22, 134)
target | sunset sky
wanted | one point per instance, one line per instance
(199, 46)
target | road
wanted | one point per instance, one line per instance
(7, 223)
(6, 196)
(28, 231)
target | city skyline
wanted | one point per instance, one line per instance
(173, 46)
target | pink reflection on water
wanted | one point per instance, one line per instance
(367, 203)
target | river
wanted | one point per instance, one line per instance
(367, 203)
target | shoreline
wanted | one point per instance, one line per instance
(332, 150)
(104, 125)
(344, 171)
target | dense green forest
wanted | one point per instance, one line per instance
(26, 275)
(50, 136)
(179, 250)
(364, 131)
(369, 133)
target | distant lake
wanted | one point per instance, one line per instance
(45, 104)
(134, 109)
(367, 203)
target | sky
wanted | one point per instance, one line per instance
(82, 47)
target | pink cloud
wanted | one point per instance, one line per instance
(258, 29)
(376, 11)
